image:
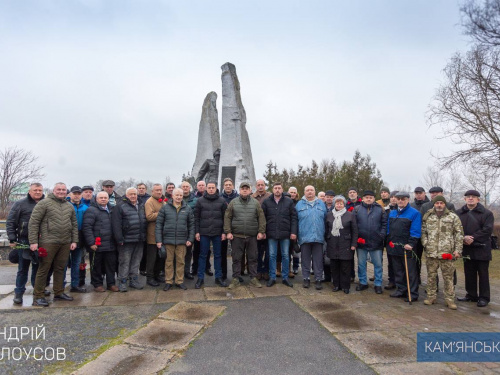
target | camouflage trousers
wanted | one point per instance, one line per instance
(447, 270)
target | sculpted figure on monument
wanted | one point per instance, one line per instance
(209, 170)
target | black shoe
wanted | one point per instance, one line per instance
(78, 289)
(467, 299)
(220, 282)
(270, 283)
(378, 290)
(482, 303)
(209, 273)
(397, 295)
(413, 299)
(167, 287)
(160, 279)
(306, 283)
(240, 279)
(361, 287)
(390, 286)
(198, 284)
(18, 299)
(346, 291)
(188, 276)
(335, 289)
(46, 292)
(143, 273)
(162, 274)
(318, 285)
(372, 279)
(63, 297)
(182, 286)
(40, 302)
(152, 282)
(287, 283)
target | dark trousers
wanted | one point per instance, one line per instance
(263, 257)
(239, 246)
(23, 268)
(205, 253)
(102, 264)
(57, 255)
(196, 257)
(419, 250)
(144, 260)
(84, 270)
(400, 274)
(341, 273)
(312, 251)
(390, 269)
(187, 259)
(154, 264)
(473, 270)
(223, 258)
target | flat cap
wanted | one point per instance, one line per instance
(330, 193)
(419, 189)
(76, 189)
(369, 192)
(352, 188)
(393, 193)
(436, 189)
(472, 192)
(108, 183)
(87, 187)
(402, 194)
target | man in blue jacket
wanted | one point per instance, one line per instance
(311, 213)
(404, 229)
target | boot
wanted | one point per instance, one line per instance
(430, 301)
(18, 299)
(451, 305)
(278, 269)
(291, 275)
(134, 283)
(151, 281)
(122, 286)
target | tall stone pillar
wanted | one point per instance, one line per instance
(208, 133)
(236, 155)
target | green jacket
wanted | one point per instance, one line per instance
(53, 221)
(442, 235)
(244, 218)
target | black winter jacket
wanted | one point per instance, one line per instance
(209, 215)
(129, 222)
(175, 228)
(229, 197)
(97, 223)
(340, 247)
(281, 218)
(18, 219)
(372, 226)
(416, 204)
(477, 223)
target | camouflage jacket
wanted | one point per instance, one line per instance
(442, 235)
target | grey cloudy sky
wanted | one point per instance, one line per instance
(114, 88)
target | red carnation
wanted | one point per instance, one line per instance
(42, 252)
(82, 266)
(160, 200)
(391, 244)
(361, 241)
(350, 209)
(98, 241)
(447, 256)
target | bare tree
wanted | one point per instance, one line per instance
(481, 21)
(467, 106)
(454, 185)
(433, 176)
(17, 167)
(486, 183)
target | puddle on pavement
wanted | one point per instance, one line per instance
(345, 319)
(164, 336)
(386, 349)
(325, 306)
(221, 294)
(194, 313)
(129, 365)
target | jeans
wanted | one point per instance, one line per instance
(204, 253)
(74, 261)
(263, 258)
(376, 257)
(273, 250)
(22, 273)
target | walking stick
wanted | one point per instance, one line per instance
(407, 278)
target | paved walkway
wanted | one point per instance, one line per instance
(248, 330)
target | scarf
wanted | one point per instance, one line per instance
(337, 223)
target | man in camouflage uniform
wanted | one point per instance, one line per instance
(442, 234)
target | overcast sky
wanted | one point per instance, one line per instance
(102, 89)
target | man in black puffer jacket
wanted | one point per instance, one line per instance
(98, 233)
(478, 227)
(175, 229)
(209, 227)
(281, 227)
(129, 230)
(17, 231)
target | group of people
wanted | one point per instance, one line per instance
(168, 236)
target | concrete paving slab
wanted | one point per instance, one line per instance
(7, 303)
(178, 295)
(217, 294)
(202, 313)
(84, 299)
(165, 335)
(126, 360)
(413, 368)
(274, 291)
(6, 289)
(132, 297)
(380, 346)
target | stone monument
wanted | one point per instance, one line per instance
(236, 155)
(208, 133)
